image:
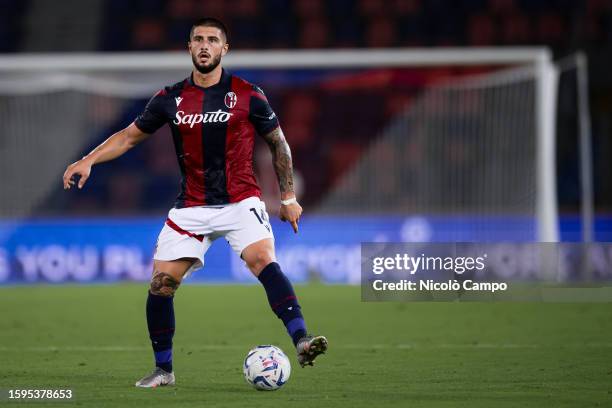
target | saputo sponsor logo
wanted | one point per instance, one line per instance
(193, 119)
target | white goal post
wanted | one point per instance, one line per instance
(29, 73)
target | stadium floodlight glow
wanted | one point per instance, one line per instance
(50, 77)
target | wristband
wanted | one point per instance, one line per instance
(289, 201)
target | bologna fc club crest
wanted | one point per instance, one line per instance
(230, 99)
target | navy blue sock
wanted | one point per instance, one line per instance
(160, 320)
(283, 301)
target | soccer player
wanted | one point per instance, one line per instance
(214, 117)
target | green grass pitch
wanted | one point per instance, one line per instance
(93, 340)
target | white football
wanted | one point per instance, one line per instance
(266, 368)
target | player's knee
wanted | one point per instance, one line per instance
(259, 260)
(163, 284)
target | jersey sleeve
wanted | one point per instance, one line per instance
(153, 117)
(261, 114)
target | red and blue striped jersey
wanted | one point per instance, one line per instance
(214, 135)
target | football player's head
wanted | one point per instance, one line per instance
(207, 44)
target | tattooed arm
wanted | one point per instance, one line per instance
(281, 158)
(283, 166)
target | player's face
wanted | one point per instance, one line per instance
(207, 46)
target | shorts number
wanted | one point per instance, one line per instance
(263, 219)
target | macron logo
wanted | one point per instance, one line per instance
(178, 100)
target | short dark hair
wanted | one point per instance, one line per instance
(209, 22)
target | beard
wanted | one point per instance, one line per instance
(205, 69)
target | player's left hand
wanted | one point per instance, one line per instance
(292, 214)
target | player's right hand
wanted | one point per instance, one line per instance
(81, 168)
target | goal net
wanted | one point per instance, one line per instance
(460, 135)
(465, 148)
